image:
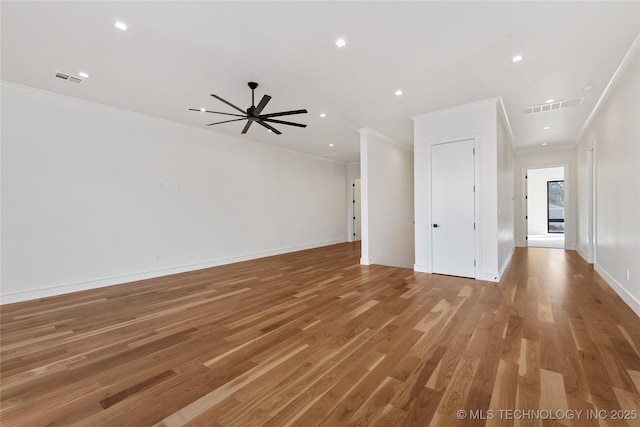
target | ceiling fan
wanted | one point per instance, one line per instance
(252, 114)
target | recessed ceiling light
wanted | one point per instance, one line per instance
(544, 143)
(121, 26)
(546, 127)
(341, 43)
(83, 75)
(517, 58)
(398, 92)
(330, 145)
(203, 109)
(323, 115)
(587, 87)
(549, 101)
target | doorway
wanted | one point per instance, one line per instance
(546, 207)
(453, 208)
(356, 210)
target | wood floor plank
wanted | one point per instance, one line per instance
(314, 338)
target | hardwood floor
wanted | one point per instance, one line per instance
(314, 338)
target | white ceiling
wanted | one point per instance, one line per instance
(441, 54)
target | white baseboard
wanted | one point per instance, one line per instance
(582, 253)
(366, 261)
(619, 289)
(126, 278)
(489, 277)
(506, 262)
(421, 268)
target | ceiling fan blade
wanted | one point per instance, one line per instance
(216, 112)
(283, 113)
(228, 103)
(271, 128)
(227, 121)
(247, 126)
(263, 103)
(285, 123)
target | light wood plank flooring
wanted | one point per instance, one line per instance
(314, 338)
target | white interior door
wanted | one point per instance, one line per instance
(356, 210)
(453, 208)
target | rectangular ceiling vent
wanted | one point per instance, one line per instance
(67, 77)
(551, 106)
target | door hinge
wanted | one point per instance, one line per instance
(474, 262)
(353, 185)
(526, 217)
(474, 188)
(354, 217)
(526, 237)
(526, 197)
(474, 225)
(474, 151)
(526, 177)
(354, 234)
(354, 201)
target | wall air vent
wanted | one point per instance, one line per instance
(557, 105)
(68, 77)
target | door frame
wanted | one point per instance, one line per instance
(568, 202)
(477, 202)
(353, 212)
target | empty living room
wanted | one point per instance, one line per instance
(314, 213)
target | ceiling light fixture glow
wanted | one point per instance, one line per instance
(398, 92)
(330, 145)
(549, 101)
(83, 75)
(546, 127)
(544, 143)
(517, 58)
(323, 115)
(341, 43)
(121, 26)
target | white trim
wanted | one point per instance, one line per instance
(421, 268)
(132, 277)
(504, 265)
(567, 198)
(457, 107)
(488, 277)
(608, 89)
(530, 149)
(477, 199)
(170, 122)
(383, 136)
(629, 299)
(582, 253)
(366, 261)
(503, 113)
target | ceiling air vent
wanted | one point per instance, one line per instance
(557, 105)
(68, 77)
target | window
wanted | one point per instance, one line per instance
(555, 206)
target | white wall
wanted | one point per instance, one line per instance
(506, 201)
(353, 172)
(387, 201)
(615, 128)
(547, 157)
(94, 195)
(537, 197)
(476, 121)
